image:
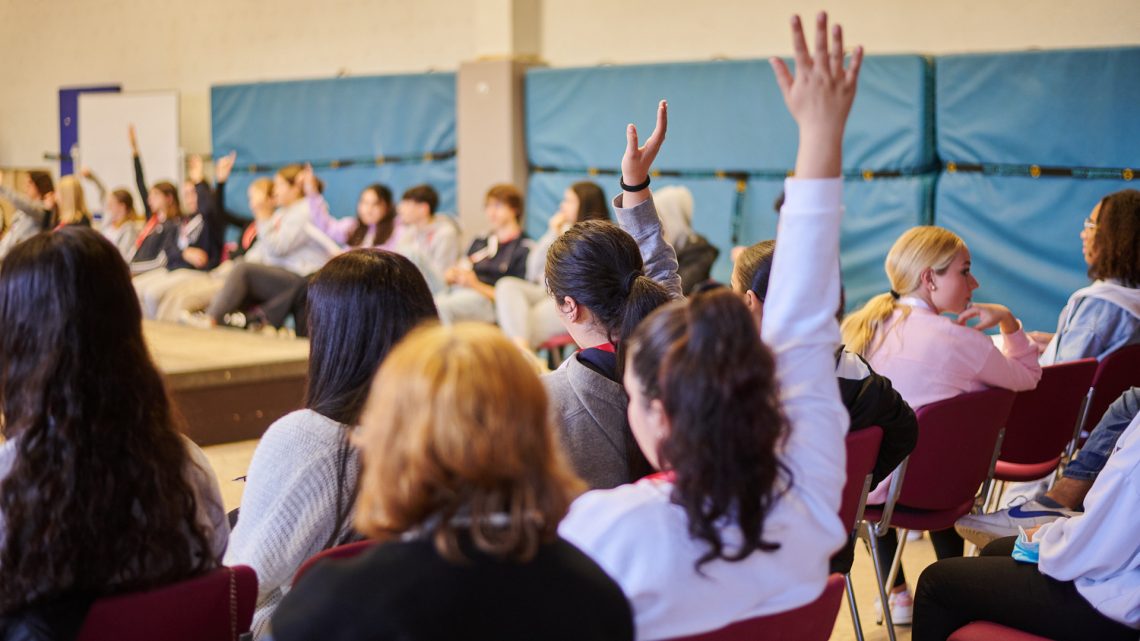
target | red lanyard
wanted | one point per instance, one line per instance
(150, 225)
(606, 347)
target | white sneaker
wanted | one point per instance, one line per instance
(196, 319)
(902, 608)
(981, 529)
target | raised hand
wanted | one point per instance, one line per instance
(989, 315)
(637, 161)
(85, 172)
(819, 96)
(134, 138)
(194, 171)
(223, 166)
(308, 180)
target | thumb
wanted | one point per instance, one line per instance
(630, 139)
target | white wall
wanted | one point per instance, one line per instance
(187, 46)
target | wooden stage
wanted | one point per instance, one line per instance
(228, 384)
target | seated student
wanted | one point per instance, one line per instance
(523, 307)
(929, 357)
(427, 238)
(463, 486)
(1067, 496)
(373, 226)
(744, 515)
(695, 256)
(163, 211)
(1105, 316)
(604, 280)
(71, 205)
(289, 248)
(1085, 583)
(119, 222)
(101, 493)
(501, 252)
(302, 480)
(191, 251)
(870, 398)
(35, 209)
(184, 301)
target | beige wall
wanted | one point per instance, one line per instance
(164, 44)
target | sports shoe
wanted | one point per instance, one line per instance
(980, 529)
(902, 608)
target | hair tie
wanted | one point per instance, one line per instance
(894, 294)
(629, 280)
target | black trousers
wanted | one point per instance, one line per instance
(947, 545)
(995, 588)
(270, 288)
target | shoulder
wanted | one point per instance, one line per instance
(300, 429)
(615, 514)
(851, 366)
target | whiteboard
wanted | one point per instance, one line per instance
(105, 147)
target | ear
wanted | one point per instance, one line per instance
(751, 301)
(926, 278)
(569, 309)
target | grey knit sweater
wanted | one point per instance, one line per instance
(589, 408)
(289, 506)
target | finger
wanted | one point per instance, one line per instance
(630, 139)
(967, 315)
(799, 45)
(821, 40)
(783, 76)
(837, 52)
(856, 64)
(653, 143)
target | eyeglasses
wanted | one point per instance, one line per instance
(1090, 224)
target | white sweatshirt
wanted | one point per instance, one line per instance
(1099, 550)
(641, 538)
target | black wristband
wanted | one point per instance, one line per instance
(626, 187)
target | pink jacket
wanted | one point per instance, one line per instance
(929, 358)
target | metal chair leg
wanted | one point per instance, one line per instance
(897, 562)
(854, 608)
(871, 537)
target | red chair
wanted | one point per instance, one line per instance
(1116, 373)
(812, 622)
(986, 631)
(217, 606)
(862, 450)
(1040, 422)
(958, 444)
(555, 349)
(346, 551)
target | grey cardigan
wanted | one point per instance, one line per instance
(590, 409)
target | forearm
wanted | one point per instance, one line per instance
(140, 183)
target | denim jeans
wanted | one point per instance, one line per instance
(1094, 455)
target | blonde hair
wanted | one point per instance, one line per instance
(456, 437)
(70, 201)
(264, 185)
(917, 250)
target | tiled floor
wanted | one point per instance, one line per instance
(231, 461)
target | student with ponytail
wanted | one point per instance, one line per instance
(930, 357)
(744, 516)
(604, 280)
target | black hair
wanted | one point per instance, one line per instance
(425, 194)
(384, 228)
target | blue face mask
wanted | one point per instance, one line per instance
(1024, 550)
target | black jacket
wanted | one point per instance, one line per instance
(870, 399)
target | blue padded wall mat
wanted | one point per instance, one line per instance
(1024, 237)
(1075, 108)
(341, 125)
(877, 212)
(725, 115)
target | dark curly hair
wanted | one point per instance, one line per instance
(1116, 244)
(96, 500)
(717, 382)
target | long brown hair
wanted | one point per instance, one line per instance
(384, 228)
(704, 361)
(1116, 243)
(457, 439)
(96, 500)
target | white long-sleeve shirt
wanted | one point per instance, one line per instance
(1099, 550)
(641, 538)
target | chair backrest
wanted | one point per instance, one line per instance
(217, 606)
(348, 550)
(862, 450)
(956, 439)
(1041, 422)
(811, 622)
(1116, 373)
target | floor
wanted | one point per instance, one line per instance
(230, 462)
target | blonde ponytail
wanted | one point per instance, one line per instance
(918, 249)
